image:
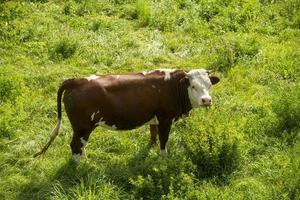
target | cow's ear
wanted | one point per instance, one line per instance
(214, 79)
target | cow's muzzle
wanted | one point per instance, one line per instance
(206, 101)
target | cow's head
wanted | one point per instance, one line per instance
(200, 81)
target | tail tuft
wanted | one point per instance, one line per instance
(52, 137)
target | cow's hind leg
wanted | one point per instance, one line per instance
(78, 143)
(153, 132)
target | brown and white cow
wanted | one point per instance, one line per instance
(127, 101)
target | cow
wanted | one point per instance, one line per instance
(130, 100)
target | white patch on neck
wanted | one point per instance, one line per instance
(167, 72)
(92, 77)
(93, 115)
(103, 124)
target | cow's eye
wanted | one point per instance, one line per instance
(193, 87)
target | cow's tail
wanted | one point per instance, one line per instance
(54, 133)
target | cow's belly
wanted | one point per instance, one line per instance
(125, 112)
(119, 122)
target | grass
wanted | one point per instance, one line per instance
(246, 146)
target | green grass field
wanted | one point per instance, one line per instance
(246, 146)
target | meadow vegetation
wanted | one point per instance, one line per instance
(246, 146)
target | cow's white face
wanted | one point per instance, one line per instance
(198, 90)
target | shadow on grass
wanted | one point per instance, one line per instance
(36, 189)
(70, 176)
(145, 175)
(120, 172)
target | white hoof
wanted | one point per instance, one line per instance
(76, 158)
(163, 152)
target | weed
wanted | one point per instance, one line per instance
(64, 49)
(11, 85)
(143, 12)
(287, 109)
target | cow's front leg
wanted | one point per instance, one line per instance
(163, 133)
(153, 132)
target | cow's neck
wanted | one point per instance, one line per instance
(184, 101)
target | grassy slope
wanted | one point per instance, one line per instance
(246, 146)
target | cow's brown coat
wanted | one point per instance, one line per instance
(124, 102)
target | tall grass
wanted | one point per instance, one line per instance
(246, 146)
